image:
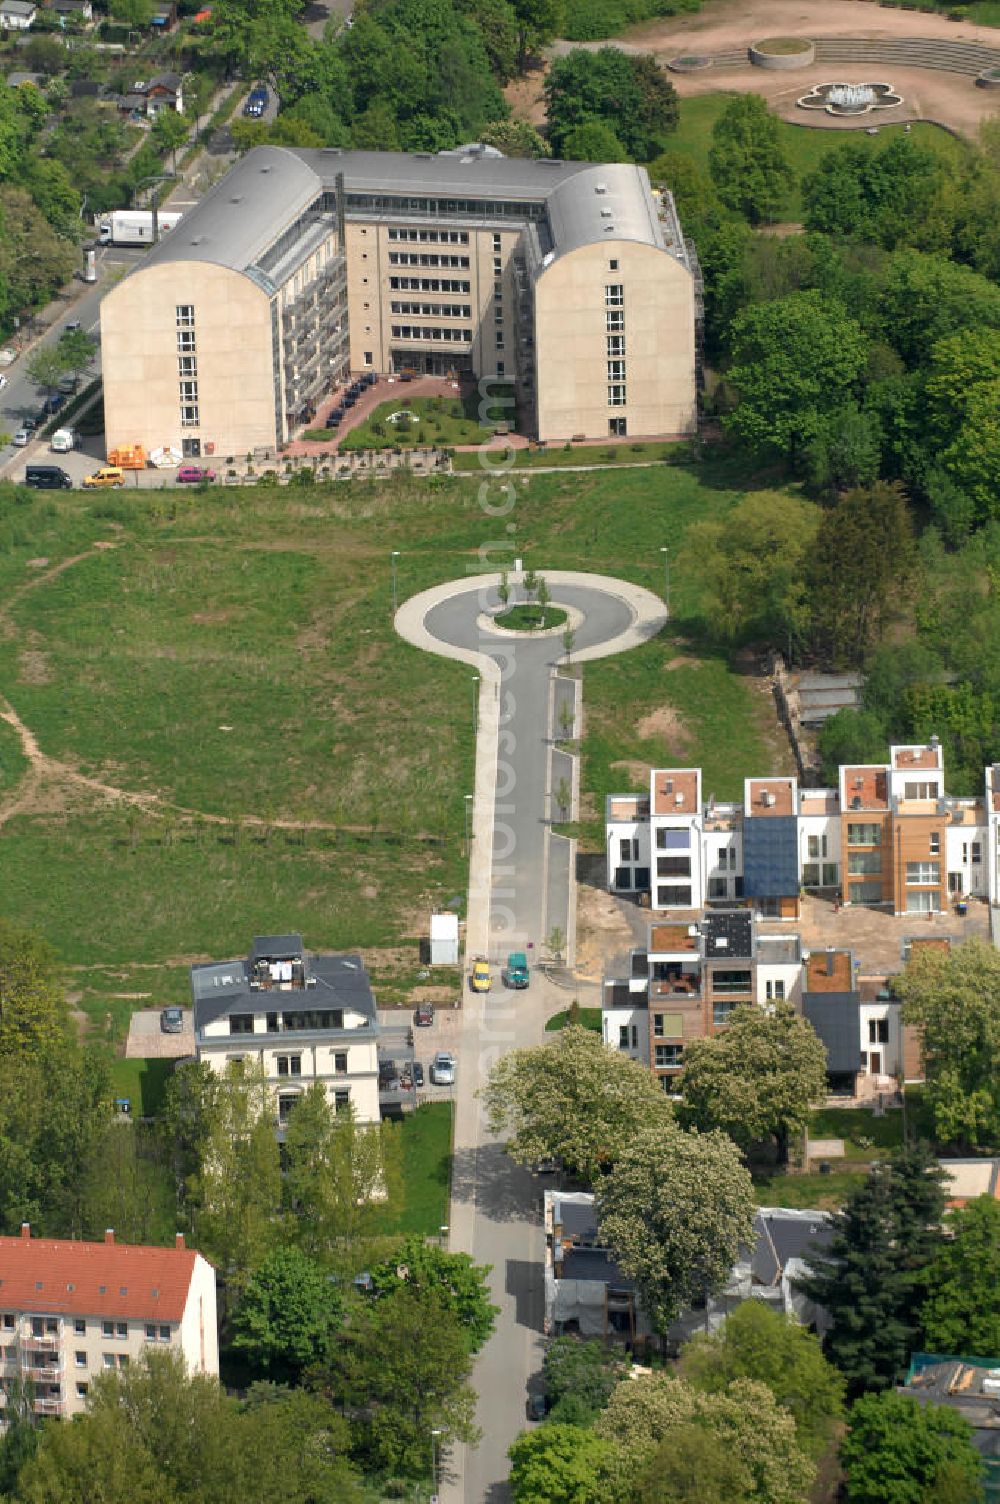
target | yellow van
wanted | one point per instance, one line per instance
(108, 475)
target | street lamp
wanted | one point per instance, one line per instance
(434, 1459)
(392, 559)
(666, 578)
(475, 704)
(468, 819)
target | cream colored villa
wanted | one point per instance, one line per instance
(301, 267)
(300, 1017)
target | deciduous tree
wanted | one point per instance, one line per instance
(953, 998)
(795, 360)
(758, 1079)
(961, 1313)
(559, 1464)
(898, 1451)
(459, 1283)
(573, 1100)
(580, 1378)
(286, 1317)
(401, 1368)
(758, 1343)
(745, 1419)
(853, 594)
(675, 1208)
(748, 166)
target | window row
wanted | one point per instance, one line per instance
(295, 1019)
(414, 258)
(428, 284)
(435, 310)
(432, 237)
(616, 345)
(432, 332)
(291, 1065)
(616, 394)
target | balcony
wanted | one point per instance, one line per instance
(49, 1406)
(49, 1343)
(683, 988)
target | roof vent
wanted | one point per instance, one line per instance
(266, 167)
(600, 187)
(237, 198)
(678, 799)
(606, 213)
(722, 942)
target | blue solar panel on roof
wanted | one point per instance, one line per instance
(770, 856)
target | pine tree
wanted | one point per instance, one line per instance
(869, 1278)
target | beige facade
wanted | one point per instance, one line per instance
(300, 267)
(614, 339)
(180, 322)
(72, 1311)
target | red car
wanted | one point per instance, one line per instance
(191, 475)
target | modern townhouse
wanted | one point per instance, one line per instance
(888, 836)
(71, 1311)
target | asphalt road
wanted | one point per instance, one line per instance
(503, 1199)
(521, 810)
(20, 398)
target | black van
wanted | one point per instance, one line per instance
(47, 478)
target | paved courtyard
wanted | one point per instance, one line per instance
(876, 938)
(147, 1041)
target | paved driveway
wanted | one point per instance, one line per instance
(147, 1041)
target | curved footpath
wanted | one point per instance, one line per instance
(516, 868)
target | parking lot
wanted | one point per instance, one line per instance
(147, 1040)
(403, 1042)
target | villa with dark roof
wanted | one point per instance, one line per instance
(302, 1017)
(570, 280)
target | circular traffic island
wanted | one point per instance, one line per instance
(783, 52)
(532, 618)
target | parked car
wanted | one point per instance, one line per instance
(388, 1075)
(67, 384)
(3, 381)
(47, 478)
(515, 973)
(108, 475)
(256, 102)
(423, 1016)
(443, 1069)
(52, 405)
(193, 475)
(72, 325)
(481, 979)
(23, 436)
(537, 1407)
(417, 1072)
(172, 1020)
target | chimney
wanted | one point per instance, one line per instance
(829, 963)
(109, 1235)
(178, 1240)
(25, 1229)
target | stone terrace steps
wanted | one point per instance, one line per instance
(969, 58)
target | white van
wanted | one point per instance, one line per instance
(63, 440)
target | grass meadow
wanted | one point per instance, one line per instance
(232, 653)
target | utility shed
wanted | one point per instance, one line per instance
(444, 939)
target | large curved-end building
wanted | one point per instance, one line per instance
(299, 266)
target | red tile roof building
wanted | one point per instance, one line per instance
(72, 1310)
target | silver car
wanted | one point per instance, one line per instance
(443, 1069)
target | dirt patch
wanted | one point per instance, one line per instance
(682, 661)
(42, 563)
(635, 770)
(213, 618)
(33, 667)
(602, 932)
(664, 722)
(369, 890)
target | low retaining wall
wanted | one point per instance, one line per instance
(783, 62)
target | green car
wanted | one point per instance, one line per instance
(515, 973)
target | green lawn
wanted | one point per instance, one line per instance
(804, 145)
(144, 1082)
(234, 654)
(590, 1018)
(822, 1193)
(865, 1136)
(426, 1173)
(530, 618)
(425, 421)
(13, 763)
(573, 456)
